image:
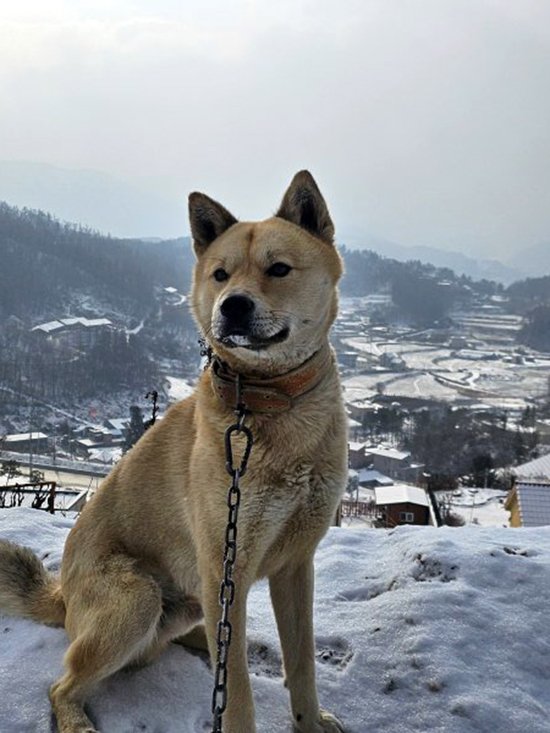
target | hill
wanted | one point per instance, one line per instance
(53, 271)
(417, 629)
(49, 267)
(63, 268)
(531, 299)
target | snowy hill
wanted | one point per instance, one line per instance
(418, 629)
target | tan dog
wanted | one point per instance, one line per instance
(143, 563)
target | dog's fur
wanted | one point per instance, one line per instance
(142, 564)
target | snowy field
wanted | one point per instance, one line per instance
(418, 630)
(482, 506)
(477, 370)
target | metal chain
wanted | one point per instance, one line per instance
(227, 587)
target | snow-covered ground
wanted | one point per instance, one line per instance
(481, 506)
(178, 389)
(486, 372)
(418, 630)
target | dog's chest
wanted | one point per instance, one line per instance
(286, 513)
(290, 488)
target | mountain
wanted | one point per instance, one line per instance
(59, 267)
(534, 261)
(50, 268)
(461, 264)
(92, 199)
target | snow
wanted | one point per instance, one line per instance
(482, 506)
(537, 468)
(178, 389)
(445, 374)
(19, 437)
(418, 630)
(400, 494)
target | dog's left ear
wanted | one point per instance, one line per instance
(304, 205)
(208, 219)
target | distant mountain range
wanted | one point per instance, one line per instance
(535, 261)
(111, 205)
(457, 261)
(93, 199)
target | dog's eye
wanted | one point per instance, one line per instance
(220, 275)
(279, 269)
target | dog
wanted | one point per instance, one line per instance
(143, 563)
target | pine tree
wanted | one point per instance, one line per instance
(135, 429)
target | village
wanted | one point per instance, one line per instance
(470, 364)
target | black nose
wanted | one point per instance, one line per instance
(237, 307)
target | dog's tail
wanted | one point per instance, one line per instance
(26, 587)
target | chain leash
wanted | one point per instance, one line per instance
(227, 587)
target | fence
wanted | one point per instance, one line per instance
(38, 496)
(358, 509)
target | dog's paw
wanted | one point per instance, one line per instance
(330, 724)
(327, 723)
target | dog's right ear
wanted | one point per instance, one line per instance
(208, 219)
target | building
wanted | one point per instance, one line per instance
(529, 503)
(368, 477)
(403, 504)
(77, 333)
(394, 463)
(356, 455)
(25, 442)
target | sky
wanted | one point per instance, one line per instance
(425, 122)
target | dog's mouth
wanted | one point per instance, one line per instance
(252, 342)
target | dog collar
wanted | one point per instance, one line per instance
(272, 394)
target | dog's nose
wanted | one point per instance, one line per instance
(237, 307)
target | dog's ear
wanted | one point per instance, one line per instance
(304, 205)
(208, 219)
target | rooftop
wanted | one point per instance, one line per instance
(398, 455)
(62, 323)
(400, 494)
(537, 468)
(18, 437)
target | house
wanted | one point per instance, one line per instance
(403, 504)
(348, 359)
(394, 463)
(529, 503)
(356, 455)
(368, 477)
(117, 426)
(25, 442)
(76, 333)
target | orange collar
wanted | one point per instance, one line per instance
(272, 394)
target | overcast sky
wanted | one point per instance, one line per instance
(424, 121)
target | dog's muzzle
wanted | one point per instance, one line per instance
(239, 325)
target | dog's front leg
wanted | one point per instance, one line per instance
(292, 597)
(239, 714)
